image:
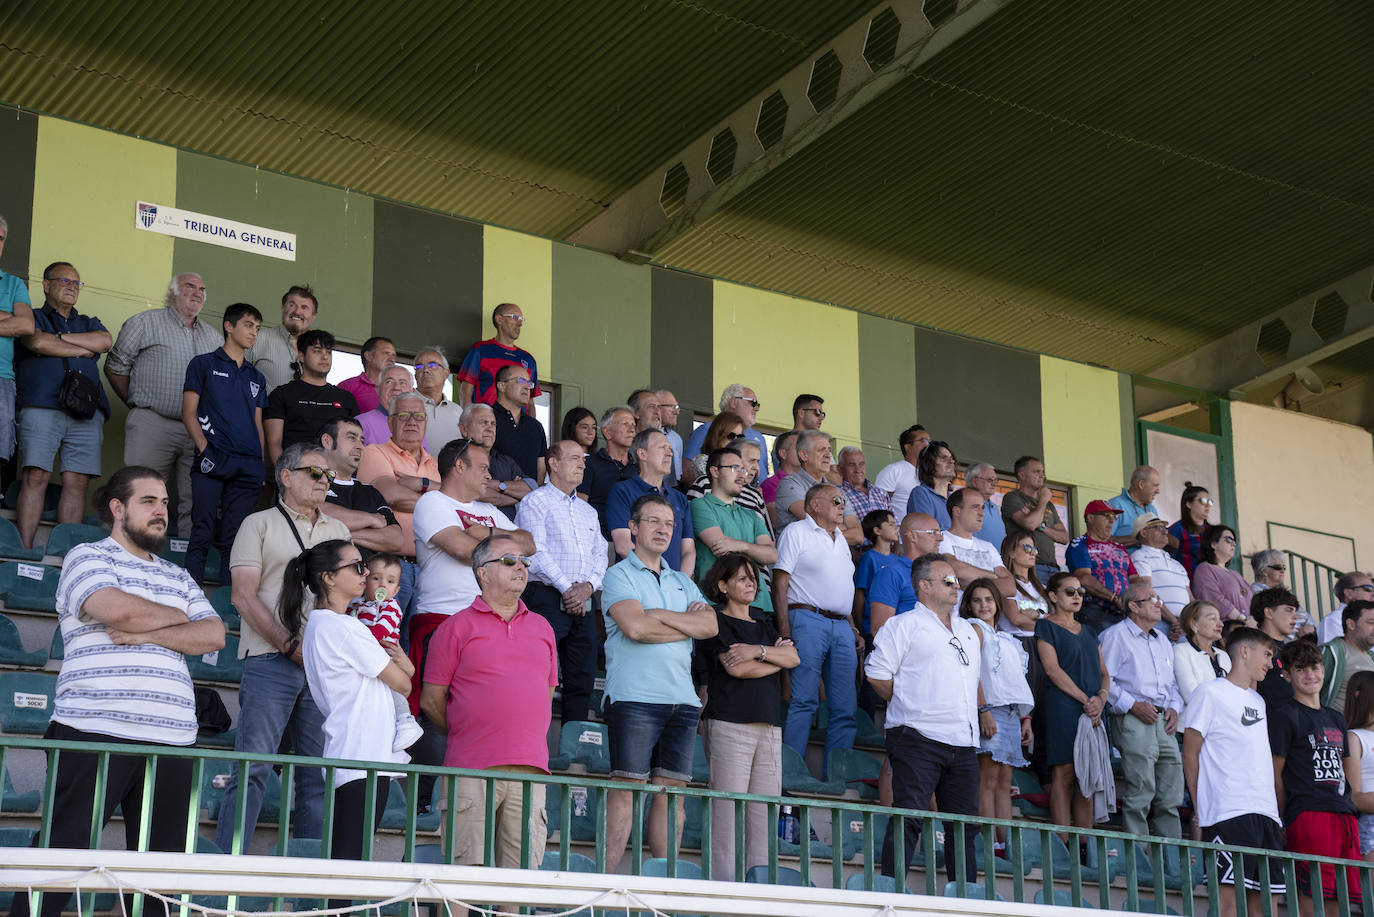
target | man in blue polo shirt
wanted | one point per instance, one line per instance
(652, 615)
(63, 339)
(221, 407)
(16, 320)
(654, 455)
(891, 592)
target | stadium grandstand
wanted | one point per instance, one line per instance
(1092, 282)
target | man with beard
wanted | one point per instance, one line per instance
(127, 617)
(274, 353)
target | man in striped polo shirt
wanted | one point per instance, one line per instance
(127, 617)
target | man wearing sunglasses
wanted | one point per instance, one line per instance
(1349, 587)
(274, 699)
(477, 374)
(737, 399)
(926, 664)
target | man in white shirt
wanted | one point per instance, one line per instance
(1226, 734)
(813, 594)
(899, 477)
(971, 557)
(568, 568)
(1166, 574)
(1145, 702)
(926, 664)
(1348, 587)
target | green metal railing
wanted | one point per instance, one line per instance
(1155, 866)
(1314, 584)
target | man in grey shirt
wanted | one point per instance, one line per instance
(813, 451)
(274, 354)
(147, 370)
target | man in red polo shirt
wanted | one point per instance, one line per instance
(489, 683)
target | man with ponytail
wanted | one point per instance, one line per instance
(127, 617)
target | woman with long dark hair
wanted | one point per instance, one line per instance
(579, 425)
(1214, 582)
(1193, 508)
(726, 429)
(1028, 605)
(351, 677)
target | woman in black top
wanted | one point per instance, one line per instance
(739, 672)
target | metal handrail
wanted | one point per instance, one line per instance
(1139, 854)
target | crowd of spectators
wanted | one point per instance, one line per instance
(419, 574)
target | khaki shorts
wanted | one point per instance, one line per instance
(469, 829)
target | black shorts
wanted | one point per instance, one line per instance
(1248, 830)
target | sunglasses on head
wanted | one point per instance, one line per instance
(509, 560)
(316, 472)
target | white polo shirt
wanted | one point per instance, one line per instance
(1167, 576)
(820, 566)
(934, 687)
(898, 479)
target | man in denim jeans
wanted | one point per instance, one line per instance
(274, 700)
(652, 613)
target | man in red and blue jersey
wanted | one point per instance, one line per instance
(477, 375)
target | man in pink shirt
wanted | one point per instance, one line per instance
(378, 354)
(488, 684)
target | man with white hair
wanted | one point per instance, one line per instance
(982, 477)
(146, 368)
(506, 486)
(741, 400)
(860, 494)
(394, 380)
(445, 415)
(612, 463)
(16, 320)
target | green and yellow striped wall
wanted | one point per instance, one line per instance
(599, 327)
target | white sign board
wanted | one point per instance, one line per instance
(169, 221)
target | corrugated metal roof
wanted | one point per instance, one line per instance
(1118, 180)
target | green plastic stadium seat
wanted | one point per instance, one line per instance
(587, 743)
(51, 497)
(970, 890)
(658, 866)
(26, 701)
(222, 665)
(12, 547)
(67, 535)
(29, 587)
(786, 876)
(553, 862)
(12, 650)
(797, 779)
(856, 769)
(220, 599)
(19, 802)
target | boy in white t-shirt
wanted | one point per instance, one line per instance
(1226, 721)
(377, 609)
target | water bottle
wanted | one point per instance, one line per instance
(789, 829)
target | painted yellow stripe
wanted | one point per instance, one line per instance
(86, 188)
(1081, 413)
(781, 346)
(519, 268)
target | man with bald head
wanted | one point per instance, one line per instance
(1135, 499)
(393, 380)
(566, 570)
(477, 375)
(146, 368)
(892, 592)
(813, 593)
(737, 399)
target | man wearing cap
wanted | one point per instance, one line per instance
(1167, 576)
(1102, 566)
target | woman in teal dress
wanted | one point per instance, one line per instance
(1078, 684)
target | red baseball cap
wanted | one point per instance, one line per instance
(1099, 506)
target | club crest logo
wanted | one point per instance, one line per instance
(206, 466)
(147, 213)
(253, 387)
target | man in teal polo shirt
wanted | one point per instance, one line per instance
(652, 615)
(723, 526)
(16, 320)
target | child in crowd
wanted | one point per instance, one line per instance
(377, 609)
(1311, 759)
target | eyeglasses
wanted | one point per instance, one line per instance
(432, 364)
(926, 531)
(1079, 591)
(519, 380)
(462, 450)
(1364, 587)
(731, 437)
(509, 560)
(1229, 539)
(316, 472)
(518, 319)
(959, 648)
(357, 567)
(403, 416)
(838, 501)
(1150, 600)
(735, 468)
(752, 403)
(1279, 567)
(817, 411)
(1206, 501)
(950, 581)
(1028, 548)
(66, 282)
(669, 407)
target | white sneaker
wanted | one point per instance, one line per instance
(408, 732)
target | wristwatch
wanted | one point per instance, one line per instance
(424, 485)
(501, 486)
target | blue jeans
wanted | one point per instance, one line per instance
(405, 599)
(276, 712)
(826, 648)
(652, 740)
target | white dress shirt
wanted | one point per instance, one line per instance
(820, 566)
(1141, 665)
(934, 672)
(567, 538)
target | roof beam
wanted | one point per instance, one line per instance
(1308, 330)
(658, 209)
